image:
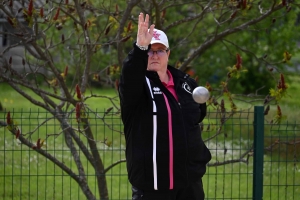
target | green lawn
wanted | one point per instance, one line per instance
(24, 174)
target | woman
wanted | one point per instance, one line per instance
(166, 156)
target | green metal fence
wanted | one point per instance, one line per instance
(251, 159)
(281, 170)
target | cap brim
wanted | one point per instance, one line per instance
(158, 42)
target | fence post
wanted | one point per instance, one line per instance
(258, 150)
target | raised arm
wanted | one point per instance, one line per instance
(131, 87)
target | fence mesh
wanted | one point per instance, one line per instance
(229, 175)
(281, 161)
(26, 174)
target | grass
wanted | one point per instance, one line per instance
(24, 174)
(12, 100)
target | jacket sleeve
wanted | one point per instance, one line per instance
(203, 111)
(202, 106)
(131, 85)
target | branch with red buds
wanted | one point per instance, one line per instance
(78, 92)
(281, 89)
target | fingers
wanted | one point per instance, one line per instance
(147, 20)
(151, 29)
(142, 20)
(142, 26)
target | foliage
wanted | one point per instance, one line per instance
(69, 45)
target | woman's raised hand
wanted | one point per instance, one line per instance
(144, 35)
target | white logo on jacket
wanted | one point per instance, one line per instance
(187, 88)
(156, 90)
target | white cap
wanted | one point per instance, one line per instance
(159, 37)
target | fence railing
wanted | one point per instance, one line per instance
(250, 159)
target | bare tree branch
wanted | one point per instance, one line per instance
(211, 41)
(113, 165)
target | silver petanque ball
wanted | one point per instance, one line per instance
(200, 94)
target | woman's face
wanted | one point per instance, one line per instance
(158, 57)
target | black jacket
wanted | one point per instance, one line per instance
(150, 144)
